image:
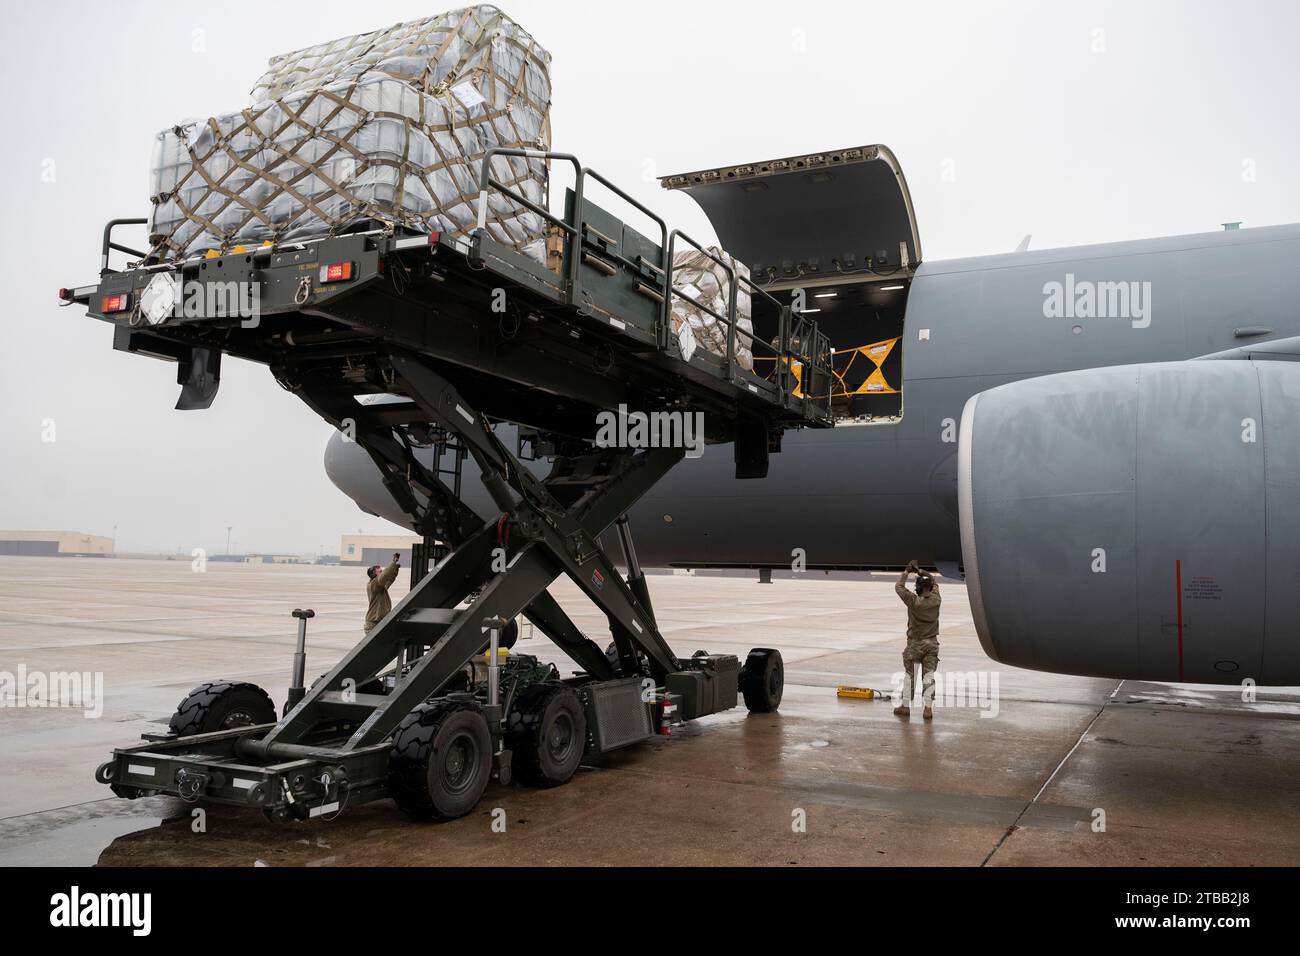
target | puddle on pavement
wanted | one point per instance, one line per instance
(77, 835)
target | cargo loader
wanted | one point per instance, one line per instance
(453, 336)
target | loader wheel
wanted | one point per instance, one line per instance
(615, 662)
(762, 680)
(221, 705)
(441, 760)
(546, 733)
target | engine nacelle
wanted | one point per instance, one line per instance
(1138, 521)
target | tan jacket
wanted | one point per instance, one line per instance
(377, 590)
(922, 612)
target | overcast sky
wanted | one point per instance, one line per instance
(1076, 122)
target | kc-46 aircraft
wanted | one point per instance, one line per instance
(1101, 439)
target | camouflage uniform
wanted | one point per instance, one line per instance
(922, 640)
(377, 592)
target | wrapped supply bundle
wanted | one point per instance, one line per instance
(391, 126)
(700, 277)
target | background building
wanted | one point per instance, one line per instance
(55, 543)
(368, 549)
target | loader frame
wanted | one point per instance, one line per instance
(415, 323)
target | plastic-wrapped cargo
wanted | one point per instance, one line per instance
(703, 279)
(391, 125)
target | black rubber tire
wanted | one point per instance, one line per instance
(611, 655)
(546, 732)
(762, 680)
(441, 760)
(222, 705)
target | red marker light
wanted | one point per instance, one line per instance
(336, 272)
(65, 294)
(115, 303)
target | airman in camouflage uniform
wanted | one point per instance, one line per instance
(377, 592)
(922, 638)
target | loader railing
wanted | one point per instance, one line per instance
(813, 351)
(728, 320)
(109, 244)
(572, 230)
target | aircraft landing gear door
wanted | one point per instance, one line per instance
(834, 236)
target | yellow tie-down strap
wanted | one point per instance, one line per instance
(842, 362)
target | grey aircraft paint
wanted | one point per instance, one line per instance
(1137, 521)
(878, 495)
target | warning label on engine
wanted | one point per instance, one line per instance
(1202, 587)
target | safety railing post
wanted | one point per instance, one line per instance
(647, 211)
(731, 326)
(666, 308)
(574, 278)
(109, 244)
(571, 230)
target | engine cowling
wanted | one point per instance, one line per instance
(1137, 521)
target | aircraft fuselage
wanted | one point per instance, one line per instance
(878, 495)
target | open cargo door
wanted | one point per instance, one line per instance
(840, 226)
(840, 212)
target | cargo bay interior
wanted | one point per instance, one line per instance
(864, 322)
(836, 234)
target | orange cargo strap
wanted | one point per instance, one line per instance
(842, 362)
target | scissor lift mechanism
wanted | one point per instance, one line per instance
(420, 318)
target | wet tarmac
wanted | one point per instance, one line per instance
(1017, 768)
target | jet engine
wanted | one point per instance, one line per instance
(1138, 521)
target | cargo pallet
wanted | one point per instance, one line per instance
(465, 334)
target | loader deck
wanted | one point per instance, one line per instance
(531, 345)
(459, 335)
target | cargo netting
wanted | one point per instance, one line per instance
(389, 126)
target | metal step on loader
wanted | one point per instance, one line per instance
(459, 335)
